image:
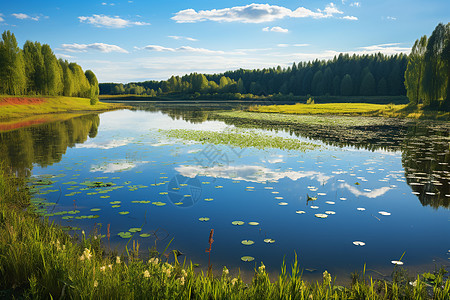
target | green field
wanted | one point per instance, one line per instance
(14, 107)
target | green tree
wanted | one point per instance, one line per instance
(53, 73)
(367, 85)
(93, 82)
(347, 85)
(34, 68)
(12, 67)
(446, 59)
(382, 88)
(434, 76)
(414, 71)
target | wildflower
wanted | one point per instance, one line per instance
(413, 283)
(153, 260)
(64, 247)
(182, 280)
(326, 278)
(146, 274)
(167, 269)
(95, 283)
(233, 281)
(103, 269)
(225, 271)
(58, 245)
(183, 273)
(110, 267)
(262, 268)
(117, 259)
(86, 254)
(82, 232)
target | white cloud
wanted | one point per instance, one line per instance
(283, 45)
(276, 29)
(1, 19)
(372, 194)
(351, 18)
(22, 16)
(109, 22)
(390, 49)
(301, 45)
(158, 48)
(105, 145)
(182, 49)
(118, 166)
(249, 173)
(253, 13)
(355, 4)
(106, 48)
(391, 18)
(176, 37)
(63, 56)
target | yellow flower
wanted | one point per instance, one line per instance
(326, 277)
(225, 271)
(110, 266)
(153, 260)
(183, 273)
(103, 268)
(262, 268)
(95, 283)
(117, 259)
(86, 255)
(146, 274)
(182, 280)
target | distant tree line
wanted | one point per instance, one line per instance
(345, 75)
(35, 70)
(427, 76)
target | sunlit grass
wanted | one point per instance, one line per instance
(353, 109)
(50, 105)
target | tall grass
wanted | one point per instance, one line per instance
(40, 260)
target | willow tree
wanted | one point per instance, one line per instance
(415, 70)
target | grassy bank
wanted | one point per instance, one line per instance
(40, 260)
(13, 107)
(354, 109)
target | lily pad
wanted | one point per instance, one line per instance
(283, 203)
(247, 242)
(115, 202)
(330, 202)
(203, 219)
(269, 241)
(300, 212)
(238, 223)
(95, 209)
(321, 216)
(115, 206)
(125, 235)
(135, 229)
(384, 213)
(247, 258)
(253, 223)
(330, 212)
(124, 213)
(159, 203)
(145, 235)
(359, 243)
(209, 199)
(314, 207)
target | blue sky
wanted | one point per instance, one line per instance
(124, 41)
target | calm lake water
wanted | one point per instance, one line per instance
(118, 169)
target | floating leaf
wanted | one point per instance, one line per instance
(104, 197)
(283, 203)
(357, 183)
(95, 209)
(145, 235)
(247, 242)
(209, 199)
(314, 207)
(253, 223)
(322, 216)
(330, 202)
(269, 241)
(203, 219)
(125, 235)
(115, 206)
(342, 198)
(300, 212)
(67, 217)
(361, 209)
(247, 258)
(384, 213)
(115, 202)
(124, 213)
(279, 198)
(134, 229)
(218, 186)
(159, 203)
(330, 212)
(359, 243)
(238, 223)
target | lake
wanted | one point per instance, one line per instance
(336, 198)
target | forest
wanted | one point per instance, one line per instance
(345, 75)
(35, 70)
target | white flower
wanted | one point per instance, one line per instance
(182, 280)
(225, 271)
(117, 259)
(183, 273)
(153, 260)
(146, 274)
(95, 283)
(233, 281)
(103, 269)
(82, 232)
(110, 266)
(86, 254)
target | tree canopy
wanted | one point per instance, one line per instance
(35, 70)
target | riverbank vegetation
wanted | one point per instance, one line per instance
(20, 107)
(40, 260)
